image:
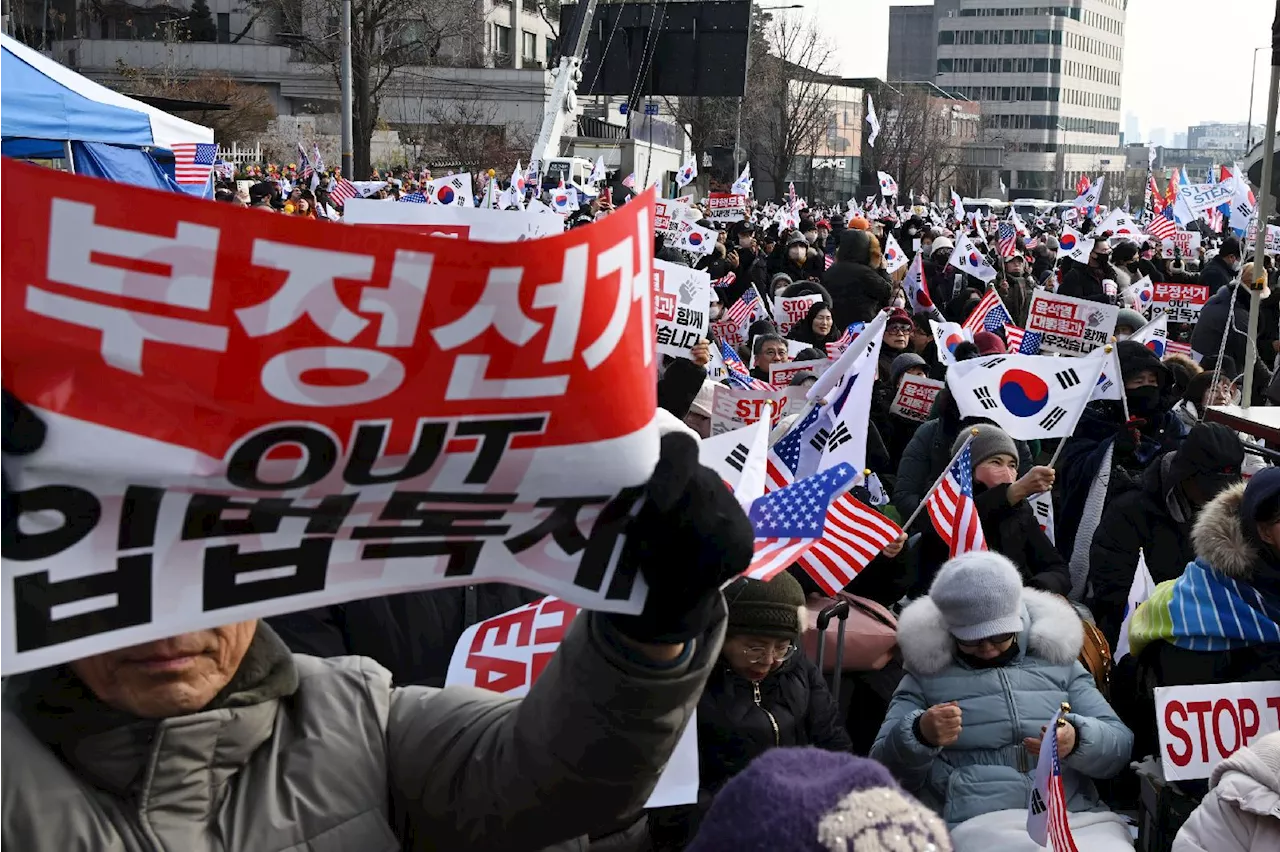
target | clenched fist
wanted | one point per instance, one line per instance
(940, 724)
(1037, 481)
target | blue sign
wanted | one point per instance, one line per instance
(623, 109)
(650, 109)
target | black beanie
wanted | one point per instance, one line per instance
(759, 608)
(1210, 451)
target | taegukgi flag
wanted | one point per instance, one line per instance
(1028, 396)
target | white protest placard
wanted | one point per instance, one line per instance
(1181, 302)
(681, 305)
(480, 224)
(1070, 326)
(726, 207)
(734, 408)
(795, 347)
(667, 216)
(730, 332)
(1202, 725)
(508, 653)
(914, 399)
(1202, 196)
(1183, 243)
(781, 373)
(789, 310)
(1273, 237)
(277, 444)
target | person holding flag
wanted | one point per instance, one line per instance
(1083, 280)
(859, 288)
(988, 661)
(1008, 523)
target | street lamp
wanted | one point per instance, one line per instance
(737, 136)
(1253, 75)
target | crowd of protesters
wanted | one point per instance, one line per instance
(330, 729)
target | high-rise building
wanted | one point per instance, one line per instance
(1048, 79)
(1131, 131)
(913, 43)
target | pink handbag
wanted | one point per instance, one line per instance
(870, 636)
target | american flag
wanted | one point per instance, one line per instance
(743, 311)
(1021, 342)
(952, 510)
(834, 350)
(854, 535)
(827, 260)
(800, 447)
(1047, 804)
(342, 191)
(1173, 348)
(305, 169)
(790, 520)
(1162, 226)
(629, 181)
(726, 281)
(739, 376)
(413, 198)
(1213, 216)
(1007, 239)
(989, 315)
(192, 161)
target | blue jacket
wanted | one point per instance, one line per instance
(988, 769)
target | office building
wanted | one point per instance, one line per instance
(1222, 137)
(913, 43)
(1048, 79)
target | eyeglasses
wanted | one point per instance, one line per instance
(757, 655)
(994, 641)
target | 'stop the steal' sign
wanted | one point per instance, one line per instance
(1201, 726)
(508, 653)
(255, 414)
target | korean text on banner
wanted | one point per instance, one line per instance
(1182, 302)
(256, 414)
(781, 373)
(1273, 236)
(733, 408)
(443, 220)
(915, 396)
(507, 654)
(726, 207)
(789, 310)
(681, 307)
(1200, 726)
(1070, 326)
(1183, 243)
(667, 216)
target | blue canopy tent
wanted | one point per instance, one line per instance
(48, 111)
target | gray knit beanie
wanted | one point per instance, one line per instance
(979, 595)
(765, 608)
(901, 364)
(990, 441)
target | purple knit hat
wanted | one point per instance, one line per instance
(811, 800)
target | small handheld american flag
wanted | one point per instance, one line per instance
(192, 162)
(951, 507)
(1019, 341)
(989, 315)
(342, 191)
(790, 520)
(1007, 239)
(1162, 226)
(739, 376)
(1047, 822)
(413, 198)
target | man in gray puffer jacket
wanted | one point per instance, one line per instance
(223, 740)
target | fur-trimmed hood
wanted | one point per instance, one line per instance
(1051, 630)
(1219, 539)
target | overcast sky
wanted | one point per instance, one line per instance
(1161, 85)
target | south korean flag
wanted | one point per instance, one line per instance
(1030, 397)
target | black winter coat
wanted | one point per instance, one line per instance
(1011, 531)
(734, 727)
(1217, 274)
(1085, 282)
(411, 634)
(679, 386)
(858, 291)
(1215, 321)
(1139, 518)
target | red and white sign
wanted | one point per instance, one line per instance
(733, 408)
(915, 396)
(1070, 326)
(1251, 236)
(1200, 726)
(681, 307)
(781, 374)
(726, 207)
(481, 224)
(1184, 243)
(509, 652)
(253, 414)
(792, 309)
(667, 216)
(1182, 302)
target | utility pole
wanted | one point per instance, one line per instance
(348, 137)
(1263, 212)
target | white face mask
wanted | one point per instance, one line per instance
(1237, 266)
(1121, 336)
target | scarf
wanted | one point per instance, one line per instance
(1205, 611)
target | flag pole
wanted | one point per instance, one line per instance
(972, 434)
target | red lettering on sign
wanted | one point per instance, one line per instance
(1224, 705)
(496, 674)
(1199, 709)
(554, 633)
(501, 628)
(1179, 758)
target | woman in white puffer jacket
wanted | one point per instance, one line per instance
(1241, 811)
